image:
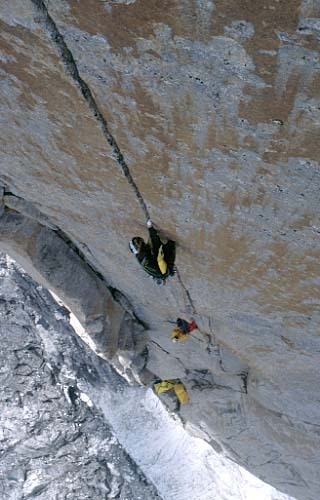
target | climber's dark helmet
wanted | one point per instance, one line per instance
(136, 244)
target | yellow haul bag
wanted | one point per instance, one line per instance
(181, 393)
(164, 386)
(179, 389)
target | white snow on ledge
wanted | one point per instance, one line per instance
(182, 467)
(75, 323)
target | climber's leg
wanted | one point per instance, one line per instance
(169, 251)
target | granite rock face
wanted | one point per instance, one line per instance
(51, 259)
(54, 443)
(205, 116)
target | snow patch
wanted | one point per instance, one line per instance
(181, 466)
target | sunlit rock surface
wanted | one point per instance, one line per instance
(215, 107)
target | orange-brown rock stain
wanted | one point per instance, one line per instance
(268, 19)
(123, 25)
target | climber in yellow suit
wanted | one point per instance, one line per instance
(156, 258)
(176, 385)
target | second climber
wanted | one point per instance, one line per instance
(183, 330)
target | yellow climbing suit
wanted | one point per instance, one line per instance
(176, 385)
(178, 334)
(161, 262)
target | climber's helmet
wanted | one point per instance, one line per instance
(136, 244)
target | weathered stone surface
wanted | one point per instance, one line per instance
(215, 107)
(23, 207)
(55, 444)
(56, 265)
(1, 201)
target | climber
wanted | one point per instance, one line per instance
(182, 330)
(175, 384)
(157, 258)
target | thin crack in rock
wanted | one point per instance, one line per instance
(73, 71)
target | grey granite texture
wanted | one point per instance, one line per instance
(55, 444)
(205, 116)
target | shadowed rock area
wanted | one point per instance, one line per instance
(205, 116)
